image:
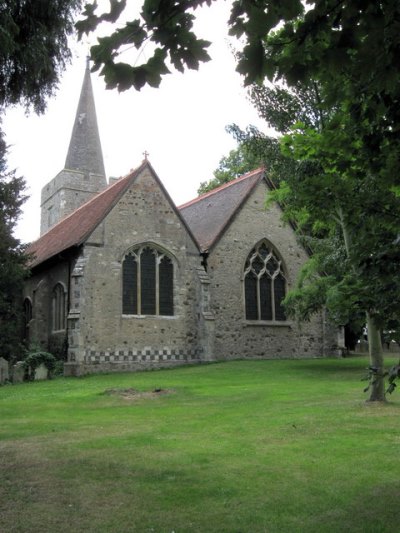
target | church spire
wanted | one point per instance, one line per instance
(83, 175)
(84, 152)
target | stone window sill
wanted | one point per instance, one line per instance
(273, 323)
(151, 317)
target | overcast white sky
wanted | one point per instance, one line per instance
(181, 124)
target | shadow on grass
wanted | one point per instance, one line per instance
(352, 364)
(346, 365)
(374, 511)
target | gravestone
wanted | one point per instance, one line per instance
(4, 374)
(18, 372)
(41, 372)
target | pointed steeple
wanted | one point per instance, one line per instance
(83, 175)
(84, 152)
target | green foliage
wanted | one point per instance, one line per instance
(168, 25)
(237, 163)
(264, 149)
(280, 108)
(58, 346)
(33, 49)
(283, 106)
(334, 186)
(393, 375)
(12, 260)
(374, 375)
(36, 358)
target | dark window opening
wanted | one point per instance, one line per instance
(264, 285)
(129, 285)
(58, 302)
(27, 318)
(147, 283)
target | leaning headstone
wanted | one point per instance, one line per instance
(41, 372)
(18, 372)
(4, 374)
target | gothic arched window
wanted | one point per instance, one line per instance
(27, 317)
(147, 282)
(58, 313)
(264, 284)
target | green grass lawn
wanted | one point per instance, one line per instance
(263, 446)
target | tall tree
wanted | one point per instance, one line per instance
(337, 197)
(280, 108)
(12, 258)
(33, 52)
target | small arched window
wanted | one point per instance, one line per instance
(264, 284)
(147, 282)
(58, 301)
(27, 317)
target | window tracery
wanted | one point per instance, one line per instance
(264, 284)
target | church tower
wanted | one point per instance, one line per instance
(83, 175)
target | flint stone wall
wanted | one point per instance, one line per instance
(234, 336)
(99, 334)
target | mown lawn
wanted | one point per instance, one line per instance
(263, 446)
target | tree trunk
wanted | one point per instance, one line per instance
(374, 334)
(376, 361)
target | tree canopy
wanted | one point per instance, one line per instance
(33, 49)
(33, 52)
(235, 164)
(280, 108)
(12, 258)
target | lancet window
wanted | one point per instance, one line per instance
(58, 302)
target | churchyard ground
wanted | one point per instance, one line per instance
(262, 446)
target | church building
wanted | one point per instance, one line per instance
(123, 279)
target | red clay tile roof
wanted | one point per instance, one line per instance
(209, 214)
(205, 217)
(75, 228)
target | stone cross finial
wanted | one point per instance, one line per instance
(146, 154)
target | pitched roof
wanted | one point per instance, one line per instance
(75, 228)
(209, 215)
(205, 217)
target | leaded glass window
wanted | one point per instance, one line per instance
(147, 282)
(264, 284)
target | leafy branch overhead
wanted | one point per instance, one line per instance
(167, 24)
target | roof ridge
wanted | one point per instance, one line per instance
(223, 186)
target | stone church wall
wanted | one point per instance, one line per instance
(103, 338)
(65, 193)
(235, 337)
(39, 289)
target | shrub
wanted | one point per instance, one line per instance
(35, 359)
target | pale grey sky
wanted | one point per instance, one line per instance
(181, 125)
